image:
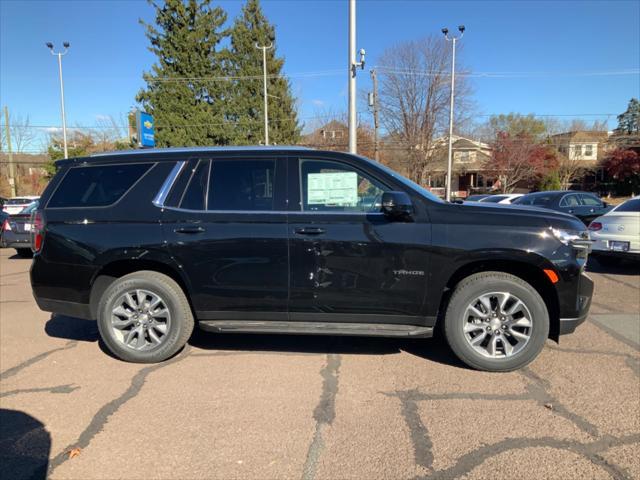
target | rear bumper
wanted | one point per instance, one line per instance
(71, 309)
(15, 240)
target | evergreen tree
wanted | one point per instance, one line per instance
(629, 121)
(244, 64)
(188, 105)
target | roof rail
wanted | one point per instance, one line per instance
(200, 149)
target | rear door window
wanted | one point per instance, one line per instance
(590, 201)
(96, 186)
(242, 185)
(195, 196)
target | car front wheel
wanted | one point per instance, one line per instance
(144, 317)
(496, 322)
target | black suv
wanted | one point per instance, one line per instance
(292, 240)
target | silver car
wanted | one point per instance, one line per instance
(616, 235)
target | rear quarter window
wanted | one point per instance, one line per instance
(632, 205)
(96, 186)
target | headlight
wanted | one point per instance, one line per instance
(574, 238)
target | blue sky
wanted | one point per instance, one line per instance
(555, 45)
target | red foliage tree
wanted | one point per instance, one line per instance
(519, 158)
(624, 166)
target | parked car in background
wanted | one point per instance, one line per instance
(16, 231)
(17, 204)
(584, 205)
(616, 235)
(476, 198)
(501, 198)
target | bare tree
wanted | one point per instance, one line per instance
(414, 98)
(23, 134)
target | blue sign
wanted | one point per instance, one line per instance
(146, 130)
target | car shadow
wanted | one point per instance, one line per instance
(625, 267)
(25, 446)
(432, 349)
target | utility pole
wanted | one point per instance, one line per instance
(12, 172)
(376, 123)
(353, 65)
(64, 118)
(445, 31)
(264, 90)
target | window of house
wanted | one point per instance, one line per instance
(577, 150)
(335, 187)
(588, 150)
(464, 156)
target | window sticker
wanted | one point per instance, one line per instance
(332, 188)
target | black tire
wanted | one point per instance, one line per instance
(176, 302)
(482, 283)
(24, 252)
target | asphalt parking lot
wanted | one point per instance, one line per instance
(267, 407)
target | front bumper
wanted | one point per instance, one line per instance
(580, 309)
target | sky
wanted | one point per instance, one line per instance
(563, 58)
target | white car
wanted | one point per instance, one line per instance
(17, 204)
(501, 198)
(616, 234)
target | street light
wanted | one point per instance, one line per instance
(64, 119)
(453, 40)
(264, 86)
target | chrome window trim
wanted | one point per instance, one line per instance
(162, 194)
(269, 212)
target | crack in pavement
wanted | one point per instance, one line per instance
(67, 388)
(630, 360)
(41, 356)
(110, 408)
(591, 451)
(422, 444)
(323, 414)
(616, 280)
(607, 329)
(537, 389)
(14, 273)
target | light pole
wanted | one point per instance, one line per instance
(453, 40)
(353, 65)
(264, 87)
(64, 119)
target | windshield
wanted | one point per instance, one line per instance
(412, 185)
(30, 208)
(632, 205)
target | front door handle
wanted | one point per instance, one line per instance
(309, 231)
(190, 229)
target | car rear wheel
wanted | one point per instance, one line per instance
(144, 317)
(496, 322)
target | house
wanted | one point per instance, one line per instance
(468, 163)
(333, 135)
(583, 146)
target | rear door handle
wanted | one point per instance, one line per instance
(309, 231)
(190, 229)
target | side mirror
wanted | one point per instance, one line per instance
(396, 204)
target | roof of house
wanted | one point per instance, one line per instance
(582, 136)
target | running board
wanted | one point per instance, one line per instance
(317, 328)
